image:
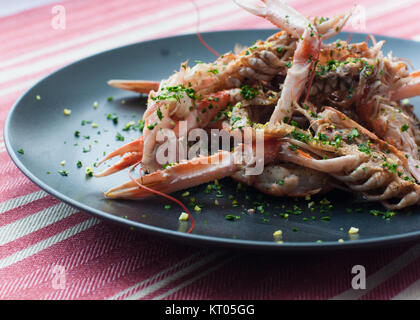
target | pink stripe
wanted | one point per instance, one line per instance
(26, 210)
(37, 236)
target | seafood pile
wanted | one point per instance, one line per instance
(333, 115)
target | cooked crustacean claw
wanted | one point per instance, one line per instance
(140, 86)
(179, 176)
(361, 160)
(131, 153)
(410, 89)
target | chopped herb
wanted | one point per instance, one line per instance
(77, 134)
(89, 171)
(112, 117)
(231, 217)
(159, 114)
(119, 137)
(64, 173)
(140, 125)
(354, 133)
(110, 98)
(404, 127)
(79, 164)
(248, 93)
(364, 147)
(87, 150)
(152, 126)
(128, 126)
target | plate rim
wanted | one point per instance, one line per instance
(196, 239)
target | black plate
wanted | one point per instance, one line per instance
(46, 135)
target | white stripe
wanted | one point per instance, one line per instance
(410, 293)
(34, 222)
(164, 282)
(22, 200)
(382, 274)
(46, 243)
(193, 279)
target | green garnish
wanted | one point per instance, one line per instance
(79, 164)
(152, 126)
(248, 93)
(404, 127)
(231, 217)
(112, 117)
(21, 151)
(119, 137)
(89, 171)
(63, 172)
(159, 114)
(354, 133)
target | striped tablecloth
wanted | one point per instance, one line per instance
(49, 250)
